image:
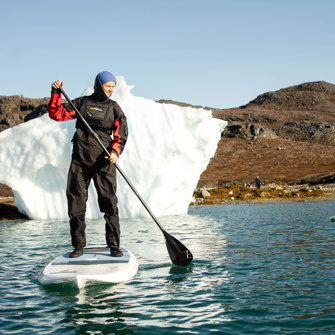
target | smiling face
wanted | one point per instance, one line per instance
(108, 87)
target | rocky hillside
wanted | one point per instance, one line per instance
(16, 109)
(286, 135)
(282, 136)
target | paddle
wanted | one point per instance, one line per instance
(178, 253)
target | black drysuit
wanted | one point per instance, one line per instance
(88, 159)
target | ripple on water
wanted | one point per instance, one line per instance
(257, 269)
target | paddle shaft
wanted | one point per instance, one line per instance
(117, 167)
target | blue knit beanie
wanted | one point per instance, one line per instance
(105, 76)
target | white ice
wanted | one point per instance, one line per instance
(168, 148)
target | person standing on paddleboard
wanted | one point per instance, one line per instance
(89, 161)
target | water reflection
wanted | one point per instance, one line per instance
(256, 269)
(97, 308)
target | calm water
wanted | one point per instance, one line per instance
(258, 269)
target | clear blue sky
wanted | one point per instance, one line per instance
(215, 53)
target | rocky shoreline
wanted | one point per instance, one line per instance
(270, 193)
(234, 194)
(9, 211)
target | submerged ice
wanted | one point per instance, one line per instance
(168, 148)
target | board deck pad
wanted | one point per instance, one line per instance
(92, 256)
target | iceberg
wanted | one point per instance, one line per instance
(168, 148)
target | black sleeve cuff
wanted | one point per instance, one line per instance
(56, 90)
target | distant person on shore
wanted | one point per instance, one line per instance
(258, 182)
(89, 160)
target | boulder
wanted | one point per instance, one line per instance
(205, 194)
(248, 131)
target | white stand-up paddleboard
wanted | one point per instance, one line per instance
(95, 265)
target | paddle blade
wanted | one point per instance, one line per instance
(179, 254)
